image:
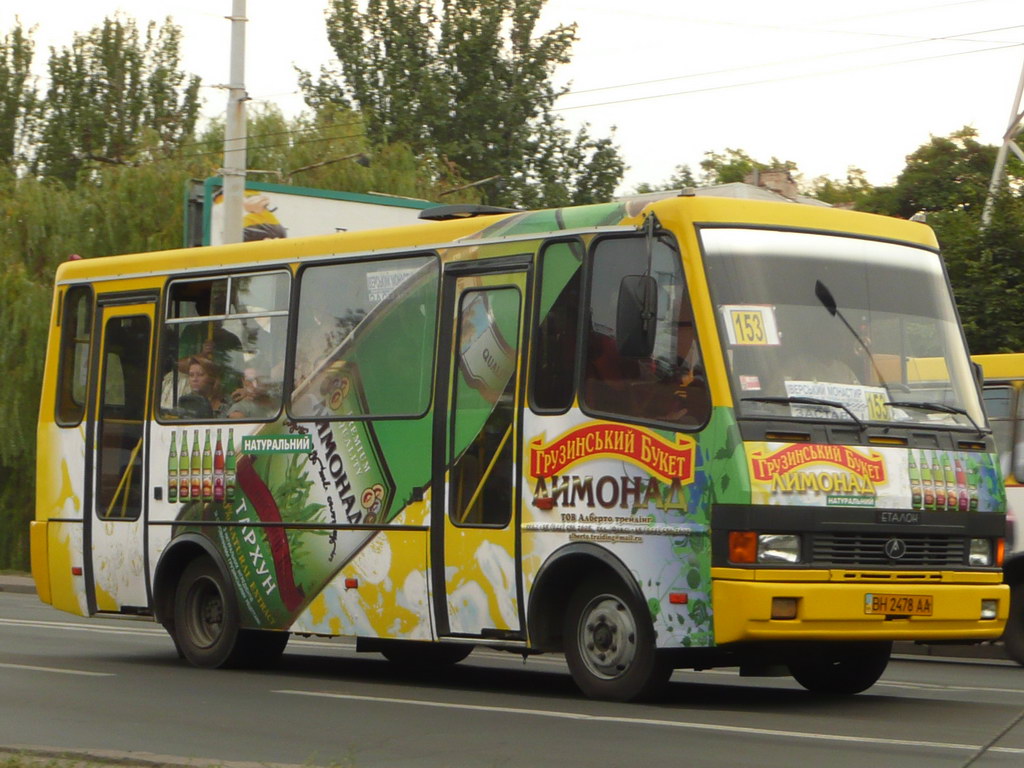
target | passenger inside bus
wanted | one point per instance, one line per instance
(667, 385)
(205, 398)
(256, 398)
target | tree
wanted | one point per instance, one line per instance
(681, 178)
(110, 90)
(470, 85)
(17, 93)
(947, 179)
(949, 173)
(850, 192)
(734, 165)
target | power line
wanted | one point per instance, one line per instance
(286, 132)
(800, 76)
(798, 60)
(904, 11)
(219, 152)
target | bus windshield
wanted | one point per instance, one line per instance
(817, 326)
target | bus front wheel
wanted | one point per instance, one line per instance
(206, 623)
(609, 643)
(841, 669)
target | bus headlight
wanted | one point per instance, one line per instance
(980, 552)
(778, 548)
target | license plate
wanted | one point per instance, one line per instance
(898, 605)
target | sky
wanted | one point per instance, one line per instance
(826, 85)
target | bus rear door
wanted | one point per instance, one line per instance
(475, 560)
(116, 467)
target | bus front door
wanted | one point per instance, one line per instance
(115, 567)
(475, 558)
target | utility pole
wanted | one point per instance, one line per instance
(1012, 131)
(233, 171)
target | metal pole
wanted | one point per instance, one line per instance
(997, 172)
(233, 171)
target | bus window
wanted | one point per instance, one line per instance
(76, 330)
(666, 385)
(371, 319)
(555, 341)
(1018, 448)
(224, 347)
(122, 418)
(481, 478)
(865, 325)
(999, 409)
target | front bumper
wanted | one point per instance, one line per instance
(835, 610)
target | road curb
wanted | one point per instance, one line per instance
(78, 758)
(21, 584)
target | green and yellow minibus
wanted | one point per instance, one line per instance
(675, 433)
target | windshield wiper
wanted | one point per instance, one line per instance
(939, 407)
(806, 401)
(824, 295)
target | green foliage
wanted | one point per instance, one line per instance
(23, 316)
(734, 165)
(949, 173)
(108, 92)
(986, 271)
(471, 85)
(850, 192)
(18, 99)
(329, 151)
(682, 178)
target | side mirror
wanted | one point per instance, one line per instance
(636, 315)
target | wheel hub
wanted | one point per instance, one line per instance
(206, 613)
(607, 636)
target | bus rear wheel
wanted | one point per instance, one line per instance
(841, 669)
(206, 625)
(609, 643)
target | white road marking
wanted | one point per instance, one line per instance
(719, 728)
(57, 670)
(119, 629)
(946, 687)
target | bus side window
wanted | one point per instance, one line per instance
(666, 385)
(75, 335)
(999, 408)
(1018, 435)
(554, 359)
(223, 342)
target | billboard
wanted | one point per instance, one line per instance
(279, 210)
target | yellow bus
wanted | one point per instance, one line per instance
(1004, 379)
(679, 433)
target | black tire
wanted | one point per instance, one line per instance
(610, 643)
(1013, 635)
(841, 669)
(425, 656)
(206, 627)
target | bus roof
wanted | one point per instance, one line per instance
(681, 210)
(1004, 366)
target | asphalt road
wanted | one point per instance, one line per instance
(112, 687)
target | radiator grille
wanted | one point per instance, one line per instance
(868, 549)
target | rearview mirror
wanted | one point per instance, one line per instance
(636, 315)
